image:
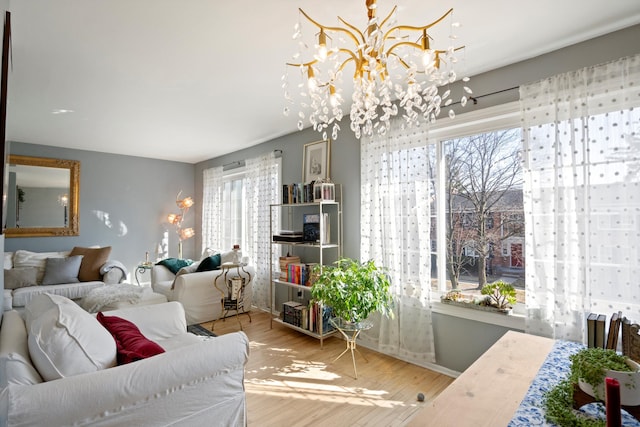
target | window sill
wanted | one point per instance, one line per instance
(511, 321)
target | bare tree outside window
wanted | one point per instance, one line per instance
(484, 203)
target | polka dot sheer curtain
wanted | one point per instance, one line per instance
(581, 154)
(212, 188)
(262, 188)
(395, 212)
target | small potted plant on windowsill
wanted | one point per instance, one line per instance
(498, 297)
(352, 289)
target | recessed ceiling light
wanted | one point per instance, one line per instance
(61, 111)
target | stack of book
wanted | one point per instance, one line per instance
(299, 273)
(284, 265)
(596, 330)
(307, 317)
(297, 193)
(295, 314)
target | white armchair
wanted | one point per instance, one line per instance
(197, 291)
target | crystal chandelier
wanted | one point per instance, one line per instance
(395, 69)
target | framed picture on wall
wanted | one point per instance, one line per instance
(316, 160)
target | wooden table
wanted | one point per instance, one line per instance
(489, 391)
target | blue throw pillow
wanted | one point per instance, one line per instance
(174, 264)
(210, 263)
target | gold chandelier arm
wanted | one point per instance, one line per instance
(303, 64)
(354, 57)
(337, 29)
(400, 59)
(346, 61)
(354, 29)
(412, 44)
(384, 21)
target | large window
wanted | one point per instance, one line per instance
(233, 218)
(477, 225)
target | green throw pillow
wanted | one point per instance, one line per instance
(175, 264)
(210, 263)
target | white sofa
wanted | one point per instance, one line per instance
(197, 381)
(111, 272)
(197, 291)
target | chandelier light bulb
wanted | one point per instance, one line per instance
(311, 79)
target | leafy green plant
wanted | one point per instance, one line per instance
(500, 294)
(590, 365)
(352, 289)
(559, 408)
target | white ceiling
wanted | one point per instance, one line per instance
(191, 80)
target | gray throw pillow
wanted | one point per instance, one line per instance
(62, 270)
(20, 277)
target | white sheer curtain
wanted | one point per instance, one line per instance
(262, 188)
(395, 227)
(582, 197)
(212, 186)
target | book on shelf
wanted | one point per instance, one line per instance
(614, 330)
(315, 317)
(299, 273)
(292, 313)
(284, 262)
(591, 329)
(326, 224)
(297, 192)
(307, 317)
(600, 339)
(311, 227)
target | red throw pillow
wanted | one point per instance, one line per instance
(131, 345)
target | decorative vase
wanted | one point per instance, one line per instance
(629, 385)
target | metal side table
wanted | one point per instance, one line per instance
(232, 288)
(350, 333)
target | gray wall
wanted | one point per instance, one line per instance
(124, 201)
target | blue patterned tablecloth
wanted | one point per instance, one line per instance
(555, 368)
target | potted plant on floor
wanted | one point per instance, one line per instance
(353, 290)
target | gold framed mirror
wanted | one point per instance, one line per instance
(43, 197)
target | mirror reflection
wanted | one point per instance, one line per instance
(42, 197)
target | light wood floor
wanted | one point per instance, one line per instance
(291, 381)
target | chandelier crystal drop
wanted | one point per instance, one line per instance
(396, 71)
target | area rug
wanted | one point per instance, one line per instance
(200, 330)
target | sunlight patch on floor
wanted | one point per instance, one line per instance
(321, 392)
(309, 370)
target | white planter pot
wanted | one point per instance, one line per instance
(629, 385)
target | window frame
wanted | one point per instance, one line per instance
(489, 119)
(230, 176)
